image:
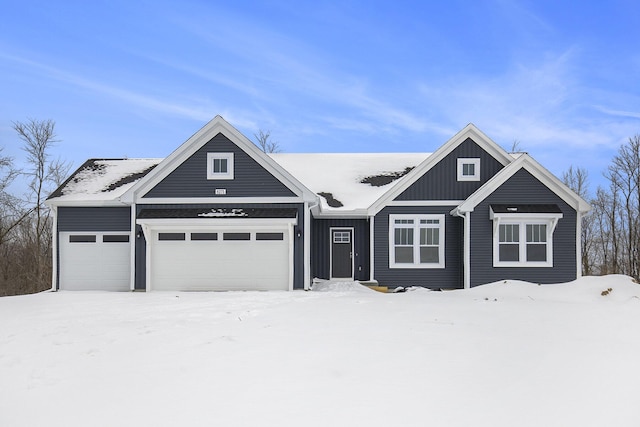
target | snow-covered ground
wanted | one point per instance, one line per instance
(505, 354)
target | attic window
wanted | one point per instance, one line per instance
(219, 165)
(468, 169)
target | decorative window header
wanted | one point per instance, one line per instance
(220, 166)
(468, 169)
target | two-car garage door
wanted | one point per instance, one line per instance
(219, 259)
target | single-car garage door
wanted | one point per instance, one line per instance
(220, 259)
(95, 261)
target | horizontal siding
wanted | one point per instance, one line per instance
(522, 188)
(321, 246)
(190, 178)
(449, 277)
(441, 181)
(298, 242)
(94, 219)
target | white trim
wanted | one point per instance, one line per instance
(83, 203)
(54, 249)
(476, 169)
(469, 131)
(356, 213)
(211, 157)
(416, 240)
(164, 223)
(578, 245)
(216, 200)
(425, 202)
(133, 240)
(290, 261)
(352, 234)
(371, 247)
(307, 246)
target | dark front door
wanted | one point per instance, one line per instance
(342, 253)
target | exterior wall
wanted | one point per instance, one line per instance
(298, 242)
(190, 178)
(441, 181)
(321, 246)
(449, 277)
(522, 188)
(94, 218)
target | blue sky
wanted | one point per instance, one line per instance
(137, 78)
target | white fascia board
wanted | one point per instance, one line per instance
(534, 168)
(86, 203)
(218, 200)
(469, 131)
(197, 141)
(200, 223)
(354, 214)
(424, 202)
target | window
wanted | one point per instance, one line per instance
(524, 243)
(341, 237)
(219, 165)
(204, 236)
(416, 241)
(170, 236)
(269, 236)
(236, 236)
(115, 238)
(82, 238)
(468, 169)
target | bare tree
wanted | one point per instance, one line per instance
(263, 138)
(515, 146)
(578, 180)
(43, 174)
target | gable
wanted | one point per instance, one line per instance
(441, 182)
(189, 179)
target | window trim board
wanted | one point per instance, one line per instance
(416, 245)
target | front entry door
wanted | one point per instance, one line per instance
(342, 253)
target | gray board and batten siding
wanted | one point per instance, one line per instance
(321, 246)
(564, 237)
(449, 277)
(298, 242)
(96, 219)
(190, 178)
(441, 181)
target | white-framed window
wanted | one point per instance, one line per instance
(468, 169)
(524, 242)
(219, 165)
(416, 241)
(341, 237)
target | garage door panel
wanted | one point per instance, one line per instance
(96, 265)
(221, 264)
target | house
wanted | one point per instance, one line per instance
(219, 214)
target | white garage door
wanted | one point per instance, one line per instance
(95, 261)
(239, 259)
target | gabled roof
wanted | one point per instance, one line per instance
(197, 141)
(469, 131)
(349, 182)
(526, 162)
(101, 181)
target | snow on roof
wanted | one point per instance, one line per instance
(348, 181)
(103, 179)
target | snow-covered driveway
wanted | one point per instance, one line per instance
(506, 354)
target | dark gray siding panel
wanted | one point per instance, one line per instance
(298, 242)
(321, 243)
(522, 188)
(449, 277)
(94, 219)
(190, 178)
(441, 181)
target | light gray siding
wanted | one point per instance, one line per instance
(441, 181)
(321, 243)
(190, 178)
(94, 219)
(522, 188)
(449, 277)
(298, 242)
